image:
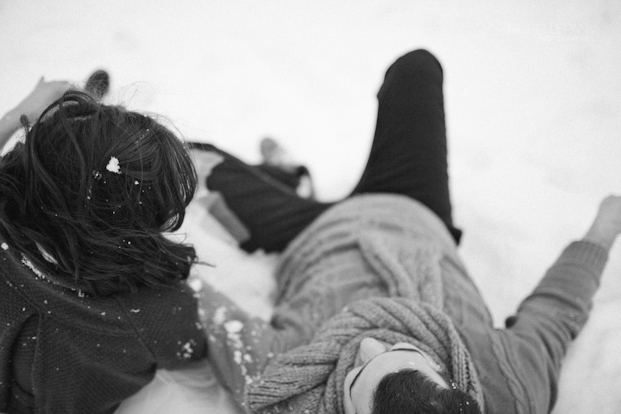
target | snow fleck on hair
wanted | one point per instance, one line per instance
(71, 189)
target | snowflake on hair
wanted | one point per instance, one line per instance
(113, 165)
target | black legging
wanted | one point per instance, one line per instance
(408, 157)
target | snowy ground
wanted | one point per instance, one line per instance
(533, 98)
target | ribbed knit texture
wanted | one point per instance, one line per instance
(310, 378)
(85, 354)
(518, 367)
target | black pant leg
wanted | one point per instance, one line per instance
(272, 212)
(408, 156)
(291, 179)
(409, 151)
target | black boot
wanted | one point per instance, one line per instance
(98, 84)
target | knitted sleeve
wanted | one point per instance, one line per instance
(240, 345)
(537, 337)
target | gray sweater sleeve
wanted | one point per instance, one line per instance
(538, 336)
(240, 345)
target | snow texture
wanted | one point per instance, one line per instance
(532, 94)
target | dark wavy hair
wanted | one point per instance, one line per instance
(67, 207)
(411, 391)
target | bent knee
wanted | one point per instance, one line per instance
(417, 60)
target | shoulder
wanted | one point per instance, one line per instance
(514, 370)
(172, 302)
(166, 319)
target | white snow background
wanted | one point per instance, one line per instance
(533, 98)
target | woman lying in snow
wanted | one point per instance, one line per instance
(375, 311)
(93, 294)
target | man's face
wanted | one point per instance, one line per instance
(375, 360)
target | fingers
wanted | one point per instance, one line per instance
(607, 223)
(60, 87)
(369, 349)
(43, 94)
(611, 205)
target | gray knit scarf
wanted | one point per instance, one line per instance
(310, 378)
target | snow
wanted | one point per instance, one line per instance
(219, 316)
(233, 327)
(532, 96)
(113, 165)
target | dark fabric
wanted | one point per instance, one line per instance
(408, 157)
(272, 212)
(64, 352)
(290, 178)
(409, 151)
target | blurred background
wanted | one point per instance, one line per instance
(532, 92)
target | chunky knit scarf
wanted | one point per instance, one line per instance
(310, 378)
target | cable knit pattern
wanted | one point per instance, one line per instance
(311, 377)
(353, 257)
(84, 354)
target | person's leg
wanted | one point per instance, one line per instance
(409, 151)
(278, 164)
(289, 178)
(272, 213)
(408, 157)
(297, 178)
(98, 84)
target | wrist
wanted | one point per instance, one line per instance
(11, 119)
(600, 236)
(9, 124)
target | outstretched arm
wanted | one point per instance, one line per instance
(32, 106)
(554, 314)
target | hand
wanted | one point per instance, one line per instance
(41, 97)
(607, 224)
(32, 106)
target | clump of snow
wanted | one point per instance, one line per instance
(237, 356)
(240, 356)
(187, 349)
(39, 274)
(233, 327)
(113, 165)
(233, 333)
(219, 316)
(195, 284)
